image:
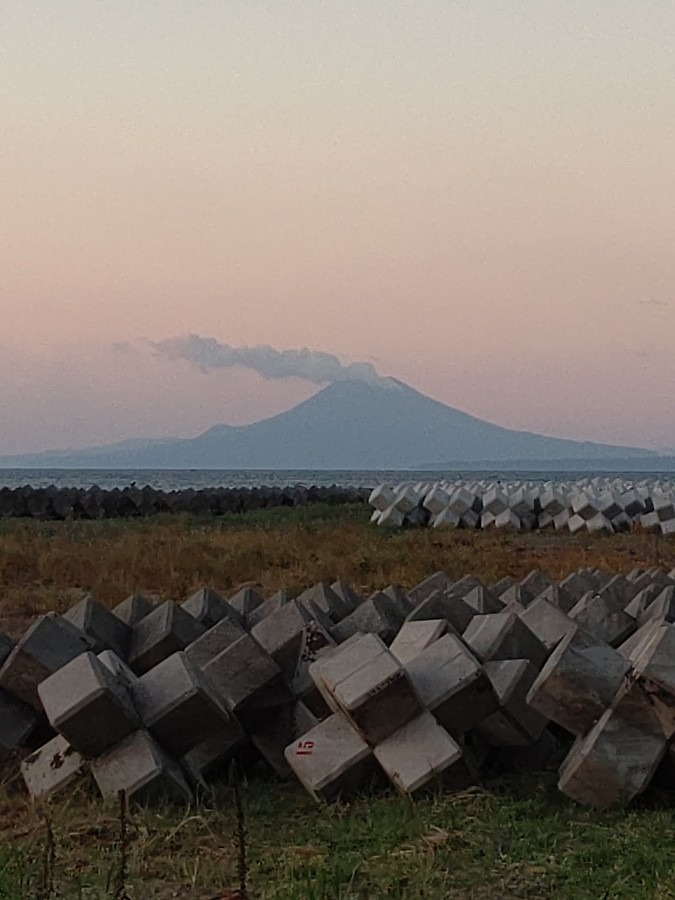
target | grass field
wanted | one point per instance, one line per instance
(512, 837)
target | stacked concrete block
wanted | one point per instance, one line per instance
(52, 768)
(178, 706)
(452, 684)
(331, 759)
(208, 608)
(592, 505)
(88, 705)
(143, 770)
(133, 609)
(48, 644)
(164, 631)
(417, 687)
(105, 630)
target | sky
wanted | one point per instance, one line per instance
(475, 197)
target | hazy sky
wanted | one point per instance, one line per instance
(475, 196)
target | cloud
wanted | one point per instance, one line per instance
(314, 366)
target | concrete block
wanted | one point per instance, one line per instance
(613, 763)
(208, 645)
(469, 519)
(285, 633)
(209, 608)
(559, 597)
(661, 608)
(339, 662)
(379, 614)
(119, 669)
(86, 703)
(143, 770)
(482, 601)
(548, 623)
(619, 590)
(285, 726)
(577, 584)
(415, 636)
(178, 705)
(400, 599)
(452, 684)
(392, 517)
(249, 680)
(446, 519)
(52, 768)
(508, 521)
(578, 683)
(271, 605)
(331, 759)
(436, 500)
(331, 604)
(561, 520)
(245, 601)
(601, 618)
(504, 636)
(421, 755)
(105, 630)
(346, 593)
(576, 523)
(515, 723)
(212, 757)
(378, 698)
(381, 497)
(133, 609)
(439, 581)
(533, 584)
(48, 644)
(163, 632)
(638, 605)
(444, 605)
(17, 722)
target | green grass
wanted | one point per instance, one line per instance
(518, 837)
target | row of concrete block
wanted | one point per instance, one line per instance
(593, 505)
(56, 503)
(419, 687)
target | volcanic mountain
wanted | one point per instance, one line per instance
(346, 425)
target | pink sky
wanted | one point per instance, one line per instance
(477, 198)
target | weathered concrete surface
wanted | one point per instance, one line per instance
(139, 767)
(452, 684)
(178, 705)
(578, 683)
(52, 768)
(613, 763)
(88, 705)
(48, 644)
(419, 755)
(331, 759)
(164, 631)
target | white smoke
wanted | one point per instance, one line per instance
(311, 365)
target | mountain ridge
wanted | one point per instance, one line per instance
(346, 425)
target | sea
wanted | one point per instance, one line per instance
(181, 479)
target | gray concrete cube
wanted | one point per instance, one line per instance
(164, 631)
(143, 770)
(49, 643)
(88, 705)
(331, 759)
(105, 630)
(178, 705)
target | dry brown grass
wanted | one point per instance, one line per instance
(49, 566)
